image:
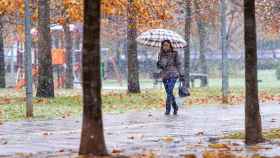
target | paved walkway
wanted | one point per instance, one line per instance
(137, 132)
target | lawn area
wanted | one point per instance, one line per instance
(267, 134)
(267, 80)
(68, 103)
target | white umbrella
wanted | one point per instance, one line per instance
(154, 37)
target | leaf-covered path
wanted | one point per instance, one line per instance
(138, 132)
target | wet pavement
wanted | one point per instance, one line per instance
(138, 132)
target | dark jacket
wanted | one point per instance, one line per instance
(170, 65)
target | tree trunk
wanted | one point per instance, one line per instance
(132, 61)
(45, 80)
(69, 63)
(202, 44)
(28, 59)
(2, 58)
(35, 78)
(224, 44)
(92, 136)
(253, 126)
(118, 53)
(187, 38)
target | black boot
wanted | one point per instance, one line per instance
(175, 107)
(168, 108)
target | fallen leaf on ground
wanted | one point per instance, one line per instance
(189, 156)
(218, 146)
(146, 155)
(47, 133)
(257, 148)
(4, 101)
(115, 151)
(41, 101)
(66, 114)
(167, 139)
(219, 154)
(207, 154)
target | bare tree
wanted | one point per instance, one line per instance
(45, 80)
(2, 57)
(92, 137)
(202, 42)
(132, 61)
(224, 46)
(69, 63)
(253, 125)
(28, 59)
(188, 20)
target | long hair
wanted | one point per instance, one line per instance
(161, 47)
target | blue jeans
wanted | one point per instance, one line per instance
(169, 85)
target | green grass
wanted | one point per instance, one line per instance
(268, 135)
(267, 77)
(71, 106)
(43, 109)
(68, 103)
(113, 102)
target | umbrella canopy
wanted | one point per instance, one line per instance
(154, 37)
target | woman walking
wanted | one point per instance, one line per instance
(169, 63)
